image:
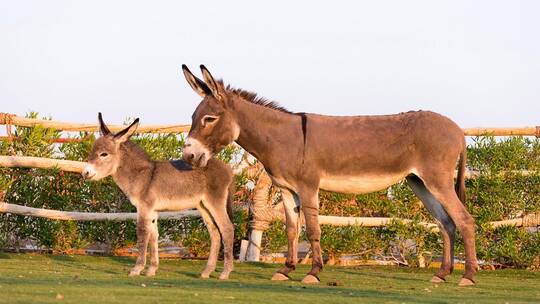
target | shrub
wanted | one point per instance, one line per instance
(500, 192)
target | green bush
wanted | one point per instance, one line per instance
(500, 192)
(54, 189)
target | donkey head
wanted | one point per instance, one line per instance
(213, 125)
(105, 155)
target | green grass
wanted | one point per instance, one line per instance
(26, 278)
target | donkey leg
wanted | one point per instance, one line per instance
(291, 204)
(219, 213)
(215, 243)
(154, 248)
(310, 207)
(445, 223)
(144, 222)
(444, 192)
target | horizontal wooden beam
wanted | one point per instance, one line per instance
(367, 221)
(10, 119)
(524, 131)
(125, 216)
(86, 216)
(41, 163)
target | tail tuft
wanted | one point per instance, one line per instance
(230, 199)
(460, 181)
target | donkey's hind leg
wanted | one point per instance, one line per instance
(442, 188)
(154, 248)
(291, 205)
(218, 210)
(445, 223)
(215, 242)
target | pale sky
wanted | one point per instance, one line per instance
(477, 62)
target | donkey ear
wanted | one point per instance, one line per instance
(103, 130)
(125, 134)
(196, 84)
(216, 87)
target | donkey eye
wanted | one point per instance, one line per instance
(103, 154)
(209, 119)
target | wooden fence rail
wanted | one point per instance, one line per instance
(78, 166)
(256, 233)
(531, 220)
(13, 120)
(86, 216)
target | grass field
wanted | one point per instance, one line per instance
(28, 278)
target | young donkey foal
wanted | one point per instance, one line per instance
(154, 186)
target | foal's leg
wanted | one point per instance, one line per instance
(218, 211)
(443, 189)
(154, 248)
(215, 242)
(310, 207)
(445, 223)
(291, 204)
(144, 222)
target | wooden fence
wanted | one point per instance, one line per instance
(262, 212)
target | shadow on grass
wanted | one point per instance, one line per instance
(61, 258)
(4, 255)
(124, 261)
(420, 277)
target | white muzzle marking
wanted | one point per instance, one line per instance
(200, 151)
(89, 171)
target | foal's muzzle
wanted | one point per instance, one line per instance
(195, 159)
(88, 172)
(195, 153)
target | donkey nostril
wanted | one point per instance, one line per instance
(191, 156)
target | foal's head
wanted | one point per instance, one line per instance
(105, 155)
(213, 125)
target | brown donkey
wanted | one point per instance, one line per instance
(154, 186)
(352, 154)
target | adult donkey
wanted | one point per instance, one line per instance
(303, 153)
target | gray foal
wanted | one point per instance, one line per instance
(153, 186)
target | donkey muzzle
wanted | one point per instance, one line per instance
(88, 172)
(195, 159)
(195, 153)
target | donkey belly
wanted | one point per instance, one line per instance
(176, 204)
(360, 184)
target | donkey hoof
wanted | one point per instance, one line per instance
(205, 275)
(466, 282)
(151, 273)
(134, 273)
(310, 279)
(279, 277)
(437, 280)
(223, 276)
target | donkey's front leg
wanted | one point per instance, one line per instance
(144, 223)
(154, 248)
(310, 207)
(215, 242)
(292, 212)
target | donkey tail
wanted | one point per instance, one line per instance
(230, 199)
(460, 181)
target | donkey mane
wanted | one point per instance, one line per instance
(255, 99)
(135, 149)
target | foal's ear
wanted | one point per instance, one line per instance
(103, 130)
(218, 91)
(196, 84)
(125, 134)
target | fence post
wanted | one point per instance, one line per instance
(261, 216)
